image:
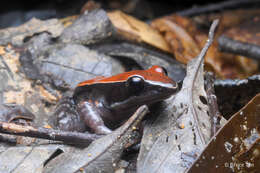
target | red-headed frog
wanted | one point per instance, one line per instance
(101, 103)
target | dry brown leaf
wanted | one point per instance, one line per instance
(180, 40)
(223, 64)
(186, 41)
(134, 29)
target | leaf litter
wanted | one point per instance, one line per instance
(183, 135)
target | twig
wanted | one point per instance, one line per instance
(216, 7)
(7, 140)
(76, 138)
(232, 46)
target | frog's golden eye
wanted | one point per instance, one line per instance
(135, 84)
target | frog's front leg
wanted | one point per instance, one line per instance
(90, 114)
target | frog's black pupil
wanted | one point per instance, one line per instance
(165, 71)
(136, 85)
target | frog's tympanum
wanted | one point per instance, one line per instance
(103, 102)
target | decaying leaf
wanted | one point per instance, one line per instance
(185, 40)
(235, 148)
(176, 31)
(26, 159)
(246, 33)
(89, 28)
(103, 154)
(16, 35)
(134, 29)
(229, 18)
(16, 89)
(179, 134)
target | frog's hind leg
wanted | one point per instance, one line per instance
(91, 117)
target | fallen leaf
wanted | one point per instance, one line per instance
(89, 28)
(16, 35)
(186, 39)
(172, 141)
(235, 148)
(101, 155)
(26, 159)
(246, 32)
(182, 44)
(134, 29)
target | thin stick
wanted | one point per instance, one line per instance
(240, 48)
(216, 7)
(45, 133)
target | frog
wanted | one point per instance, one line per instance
(101, 104)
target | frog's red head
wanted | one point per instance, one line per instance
(154, 75)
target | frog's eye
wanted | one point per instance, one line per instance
(164, 71)
(159, 69)
(135, 84)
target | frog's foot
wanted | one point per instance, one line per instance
(92, 119)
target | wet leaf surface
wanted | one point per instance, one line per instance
(173, 140)
(235, 148)
(103, 154)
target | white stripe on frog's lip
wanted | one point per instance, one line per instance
(166, 85)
